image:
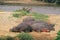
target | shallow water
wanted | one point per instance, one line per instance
(39, 9)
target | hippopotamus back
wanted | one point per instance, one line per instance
(28, 19)
(39, 26)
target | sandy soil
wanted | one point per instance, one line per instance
(7, 22)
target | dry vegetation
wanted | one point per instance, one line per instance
(7, 22)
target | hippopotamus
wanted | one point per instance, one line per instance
(41, 27)
(22, 27)
(29, 25)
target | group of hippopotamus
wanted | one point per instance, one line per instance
(29, 24)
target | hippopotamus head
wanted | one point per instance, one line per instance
(13, 29)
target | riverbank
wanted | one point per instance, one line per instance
(31, 3)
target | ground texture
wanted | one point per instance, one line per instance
(7, 22)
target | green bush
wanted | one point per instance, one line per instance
(24, 36)
(58, 36)
(9, 38)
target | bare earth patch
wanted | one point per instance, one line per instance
(7, 22)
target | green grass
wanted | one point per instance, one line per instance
(19, 13)
(25, 36)
(21, 36)
(37, 16)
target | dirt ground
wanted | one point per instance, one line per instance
(7, 22)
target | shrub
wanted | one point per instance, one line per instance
(58, 36)
(9, 38)
(24, 36)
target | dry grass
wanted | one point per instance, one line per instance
(7, 22)
(43, 36)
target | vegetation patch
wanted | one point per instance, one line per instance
(50, 1)
(25, 36)
(37, 16)
(20, 13)
(22, 36)
(9, 38)
(58, 36)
